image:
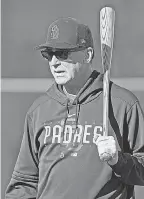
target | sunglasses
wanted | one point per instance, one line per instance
(60, 54)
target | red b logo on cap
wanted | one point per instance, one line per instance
(54, 32)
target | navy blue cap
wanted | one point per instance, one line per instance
(67, 33)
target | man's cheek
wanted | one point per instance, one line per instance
(73, 73)
(69, 72)
(51, 69)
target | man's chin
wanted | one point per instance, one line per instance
(61, 81)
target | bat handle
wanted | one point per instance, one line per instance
(105, 131)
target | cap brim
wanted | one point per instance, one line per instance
(56, 46)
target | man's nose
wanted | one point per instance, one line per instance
(55, 62)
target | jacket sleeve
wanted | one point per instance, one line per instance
(130, 166)
(24, 181)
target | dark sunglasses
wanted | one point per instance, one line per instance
(61, 55)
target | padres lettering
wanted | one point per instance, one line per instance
(84, 134)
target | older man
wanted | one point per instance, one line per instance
(63, 136)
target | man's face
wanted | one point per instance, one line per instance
(66, 68)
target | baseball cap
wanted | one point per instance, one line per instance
(67, 33)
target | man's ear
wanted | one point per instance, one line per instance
(89, 54)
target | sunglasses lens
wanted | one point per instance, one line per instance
(61, 55)
(47, 55)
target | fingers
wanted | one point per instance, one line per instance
(105, 156)
(106, 147)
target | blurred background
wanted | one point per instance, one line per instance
(25, 75)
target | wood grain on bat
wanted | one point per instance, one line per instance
(107, 18)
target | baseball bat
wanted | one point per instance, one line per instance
(107, 19)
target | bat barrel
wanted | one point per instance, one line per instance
(107, 19)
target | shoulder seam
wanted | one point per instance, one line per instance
(132, 105)
(124, 100)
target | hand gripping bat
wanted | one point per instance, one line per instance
(107, 19)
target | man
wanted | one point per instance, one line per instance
(63, 137)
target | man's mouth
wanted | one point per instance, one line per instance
(60, 71)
